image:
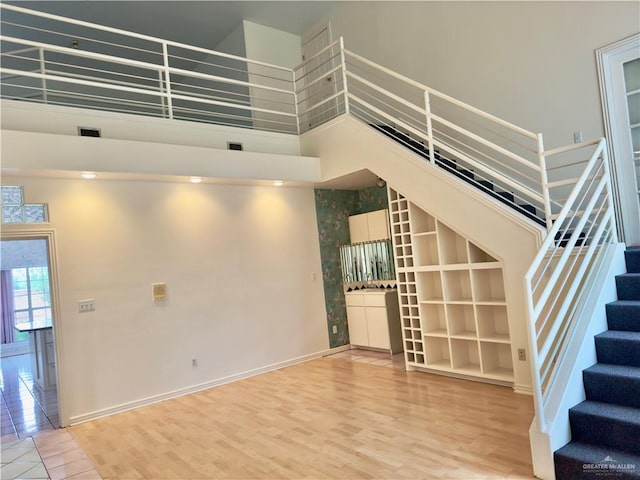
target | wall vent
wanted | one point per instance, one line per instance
(89, 132)
(234, 146)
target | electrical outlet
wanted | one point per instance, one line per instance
(522, 355)
(335, 329)
(194, 362)
(86, 305)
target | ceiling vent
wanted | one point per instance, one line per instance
(89, 132)
(234, 146)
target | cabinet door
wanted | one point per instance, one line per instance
(357, 320)
(378, 223)
(378, 327)
(358, 228)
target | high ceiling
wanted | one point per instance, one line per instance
(199, 23)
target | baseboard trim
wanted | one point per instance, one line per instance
(106, 412)
(523, 389)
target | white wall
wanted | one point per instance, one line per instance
(238, 265)
(531, 63)
(275, 47)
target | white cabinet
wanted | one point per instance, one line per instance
(43, 358)
(374, 319)
(452, 298)
(368, 227)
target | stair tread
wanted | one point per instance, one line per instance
(593, 453)
(617, 370)
(609, 411)
(620, 335)
(587, 454)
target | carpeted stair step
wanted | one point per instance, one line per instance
(615, 384)
(628, 285)
(624, 315)
(606, 425)
(618, 348)
(582, 461)
(632, 256)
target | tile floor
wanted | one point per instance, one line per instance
(26, 409)
(33, 444)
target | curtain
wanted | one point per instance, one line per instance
(7, 309)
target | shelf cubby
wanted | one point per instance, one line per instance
(457, 286)
(465, 355)
(435, 322)
(430, 287)
(488, 285)
(421, 221)
(477, 255)
(462, 321)
(452, 298)
(493, 323)
(437, 352)
(453, 247)
(497, 360)
(426, 249)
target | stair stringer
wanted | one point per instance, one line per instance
(346, 145)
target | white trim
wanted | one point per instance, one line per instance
(21, 231)
(523, 389)
(627, 207)
(105, 412)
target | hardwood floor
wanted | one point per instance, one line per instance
(328, 418)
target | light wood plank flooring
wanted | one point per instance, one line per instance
(328, 418)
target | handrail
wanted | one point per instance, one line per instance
(139, 36)
(568, 269)
(444, 96)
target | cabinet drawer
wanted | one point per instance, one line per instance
(354, 299)
(375, 299)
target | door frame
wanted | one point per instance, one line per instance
(25, 231)
(616, 120)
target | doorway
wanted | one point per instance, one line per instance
(28, 372)
(319, 77)
(619, 75)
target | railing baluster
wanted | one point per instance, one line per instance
(427, 108)
(344, 76)
(43, 72)
(167, 78)
(544, 182)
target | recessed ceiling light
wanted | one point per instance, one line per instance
(278, 183)
(195, 179)
(88, 175)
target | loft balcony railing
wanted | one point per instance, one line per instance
(55, 60)
(59, 61)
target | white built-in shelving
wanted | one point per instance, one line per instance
(452, 298)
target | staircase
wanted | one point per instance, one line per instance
(605, 427)
(467, 175)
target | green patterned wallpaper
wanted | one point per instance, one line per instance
(333, 208)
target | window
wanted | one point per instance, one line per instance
(32, 296)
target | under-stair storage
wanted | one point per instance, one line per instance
(452, 298)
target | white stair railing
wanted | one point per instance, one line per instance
(561, 278)
(502, 158)
(61, 61)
